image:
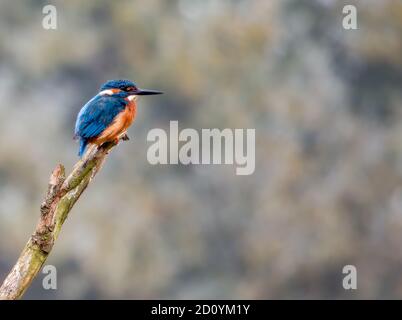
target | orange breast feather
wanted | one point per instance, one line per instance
(119, 125)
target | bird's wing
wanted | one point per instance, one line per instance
(97, 115)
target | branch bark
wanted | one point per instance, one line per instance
(62, 194)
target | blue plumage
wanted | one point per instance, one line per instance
(83, 146)
(120, 84)
(99, 113)
(96, 116)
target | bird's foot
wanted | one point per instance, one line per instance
(125, 137)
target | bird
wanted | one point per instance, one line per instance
(107, 116)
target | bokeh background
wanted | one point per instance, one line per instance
(326, 106)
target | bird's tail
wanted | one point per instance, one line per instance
(83, 146)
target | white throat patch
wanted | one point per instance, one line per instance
(132, 97)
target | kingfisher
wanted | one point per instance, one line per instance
(107, 116)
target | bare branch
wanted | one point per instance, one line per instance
(62, 194)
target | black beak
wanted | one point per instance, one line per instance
(145, 92)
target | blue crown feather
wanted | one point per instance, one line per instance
(117, 84)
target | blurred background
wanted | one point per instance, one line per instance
(325, 103)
